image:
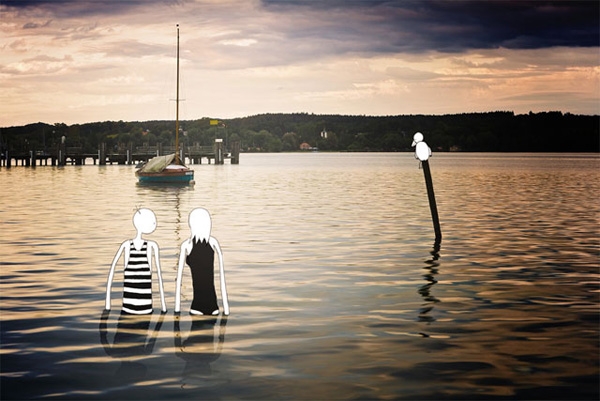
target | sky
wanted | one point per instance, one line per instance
(78, 61)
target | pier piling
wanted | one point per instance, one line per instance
(102, 154)
(235, 152)
(219, 157)
(62, 152)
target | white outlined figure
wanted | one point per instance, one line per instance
(422, 150)
(138, 254)
(199, 253)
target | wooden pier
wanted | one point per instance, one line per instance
(127, 155)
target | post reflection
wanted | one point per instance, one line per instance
(202, 347)
(431, 270)
(132, 340)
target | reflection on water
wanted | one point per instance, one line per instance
(132, 339)
(335, 290)
(171, 193)
(431, 270)
(202, 347)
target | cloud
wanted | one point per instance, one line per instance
(134, 49)
(78, 8)
(35, 25)
(301, 29)
(241, 57)
(452, 26)
(37, 65)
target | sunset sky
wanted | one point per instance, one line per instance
(67, 61)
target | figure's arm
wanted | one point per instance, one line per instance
(104, 332)
(111, 273)
(155, 250)
(179, 276)
(217, 247)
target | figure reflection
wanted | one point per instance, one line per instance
(132, 340)
(431, 270)
(202, 347)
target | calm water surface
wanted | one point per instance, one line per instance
(337, 290)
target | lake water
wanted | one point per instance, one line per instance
(336, 288)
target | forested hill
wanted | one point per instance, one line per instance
(481, 132)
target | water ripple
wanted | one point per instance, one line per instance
(336, 289)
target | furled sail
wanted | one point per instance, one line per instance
(157, 164)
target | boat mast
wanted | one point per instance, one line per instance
(177, 161)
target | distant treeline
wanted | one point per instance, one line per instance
(470, 132)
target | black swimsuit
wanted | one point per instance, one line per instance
(201, 262)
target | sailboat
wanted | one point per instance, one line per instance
(169, 168)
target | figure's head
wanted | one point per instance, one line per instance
(144, 220)
(200, 224)
(418, 137)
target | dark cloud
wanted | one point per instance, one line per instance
(35, 25)
(276, 32)
(83, 8)
(452, 26)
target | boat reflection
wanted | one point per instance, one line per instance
(171, 194)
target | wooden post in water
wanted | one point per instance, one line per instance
(432, 204)
(32, 156)
(423, 152)
(129, 162)
(235, 152)
(61, 152)
(219, 157)
(102, 154)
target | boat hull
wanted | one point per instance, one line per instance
(165, 177)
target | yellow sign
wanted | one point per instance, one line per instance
(214, 122)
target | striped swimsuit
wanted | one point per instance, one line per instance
(137, 286)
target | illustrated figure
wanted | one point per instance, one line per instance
(198, 252)
(422, 151)
(138, 254)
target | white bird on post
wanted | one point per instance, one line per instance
(422, 150)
